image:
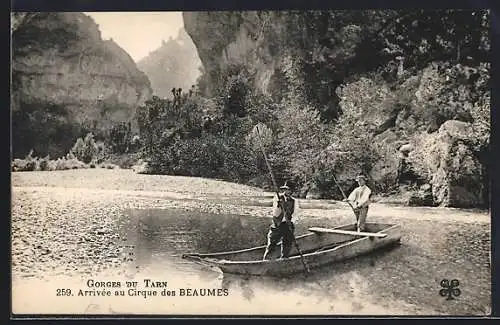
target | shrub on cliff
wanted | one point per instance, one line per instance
(234, 95)
(237, 91)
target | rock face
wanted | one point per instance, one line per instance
(426, 134)
(174, 65)
(408, 104)
(67, 81)
(457, 176)
(224, 38)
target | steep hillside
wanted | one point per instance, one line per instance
(66, 81)
(175, 64)
(398, 80)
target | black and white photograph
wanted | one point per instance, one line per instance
(239, 162)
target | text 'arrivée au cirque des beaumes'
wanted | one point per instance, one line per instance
(148, 288)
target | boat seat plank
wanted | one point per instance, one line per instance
(347, 232)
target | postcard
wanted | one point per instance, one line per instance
(321, 162)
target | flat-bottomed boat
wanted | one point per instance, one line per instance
(321, 246)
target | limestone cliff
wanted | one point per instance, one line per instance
(226, 38)
(175, 64)
(67, 80)
(305, 53)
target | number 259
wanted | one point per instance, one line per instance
(63, 292)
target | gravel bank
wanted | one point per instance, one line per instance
(66, 223)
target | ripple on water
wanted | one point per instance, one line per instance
(407, 276)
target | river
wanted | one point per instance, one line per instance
(70, 227)
(403, 280)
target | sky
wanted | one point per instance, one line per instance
(138, 33)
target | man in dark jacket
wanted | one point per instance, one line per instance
(285, 208)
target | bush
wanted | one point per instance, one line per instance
(120, 138)
(43, 164)
(210, 156)
(93, 153)
(108, 166)
(67, 163)
(141, 167)
(87, 150)
(177, 141)
(162, 121)
(28, 164)
(351, 151)
(125, 161)
(421, 197)
(293, 140)
(21, 165)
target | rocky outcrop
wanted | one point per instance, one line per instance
(175, 64)
(211, 32)
(226, 38)
(67, 80)
(422, 196)
(423, 131)
(328, 60)
(456, 173)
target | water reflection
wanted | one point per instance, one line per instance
(160, 233)
(371, 284)
(160, 238)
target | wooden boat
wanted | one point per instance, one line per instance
(319, 247)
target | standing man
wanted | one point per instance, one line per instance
(360, 200)
(285, 208)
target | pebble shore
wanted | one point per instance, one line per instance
(67, 223)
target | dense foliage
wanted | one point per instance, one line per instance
(349, 88)
(316, 51)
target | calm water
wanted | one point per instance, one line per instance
(403, 280)
(160, 237)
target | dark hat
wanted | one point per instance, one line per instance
(361, 177)
(285, 186)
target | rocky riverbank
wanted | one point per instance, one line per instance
(68, 223)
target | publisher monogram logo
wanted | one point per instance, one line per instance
(450, 289)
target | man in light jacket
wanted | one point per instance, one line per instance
(360, 200)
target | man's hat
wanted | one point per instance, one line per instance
(285, 186)
(361, 177)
